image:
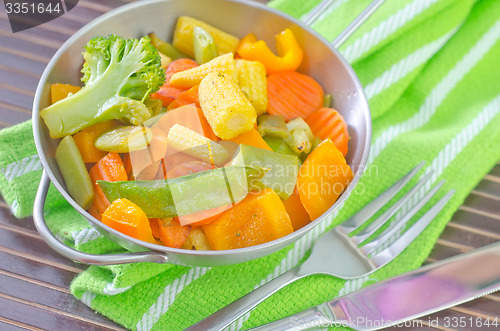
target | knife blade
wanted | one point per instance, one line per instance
(411, 295)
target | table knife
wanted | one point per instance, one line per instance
(400, 299)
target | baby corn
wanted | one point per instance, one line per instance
(253, 81)
(194, 144)
(183, 36)
(191, 77)
(225, 106)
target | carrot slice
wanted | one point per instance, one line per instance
(125, 216)
(186, 98)
(292, 94)
(327, 123)
(168, 93)
(179, 65)
(94, 212)
(203, 217)
(108, 168)
(172, 233)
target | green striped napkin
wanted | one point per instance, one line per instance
(430, 69)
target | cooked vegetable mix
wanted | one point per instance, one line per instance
(192, 147)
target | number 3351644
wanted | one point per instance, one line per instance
(31, 8)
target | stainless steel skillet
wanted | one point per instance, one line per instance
(321, 60)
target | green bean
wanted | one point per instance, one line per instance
(272, 125)
(327, 100)
(205, 48)
(299, 142)
(74, 172)
(165, 47)
(278, 145)
(124, 139)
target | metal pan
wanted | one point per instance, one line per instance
(321, 60)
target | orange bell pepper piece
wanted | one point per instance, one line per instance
(322, 178)
(60, 91)
(128, 218)
(289, 51)
(85, 140)
(297, 212)
(259, 218)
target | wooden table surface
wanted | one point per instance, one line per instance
(34, 280)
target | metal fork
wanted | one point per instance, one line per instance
(337, 254)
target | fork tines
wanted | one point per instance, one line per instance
(381, 254)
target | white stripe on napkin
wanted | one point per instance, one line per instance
(405, 66)
(110, 289)
(167, 297)
(87, 298)
(21, 167)
(83, 236)
(386, 28)
(446, 156)
(439, 93)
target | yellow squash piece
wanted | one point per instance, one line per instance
(253, 81)
(183, 36)
(225, 106)
(194, 144)
(191, 77)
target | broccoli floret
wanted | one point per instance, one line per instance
(119, 74)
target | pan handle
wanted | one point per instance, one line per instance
(352, 27)
(55, 244)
